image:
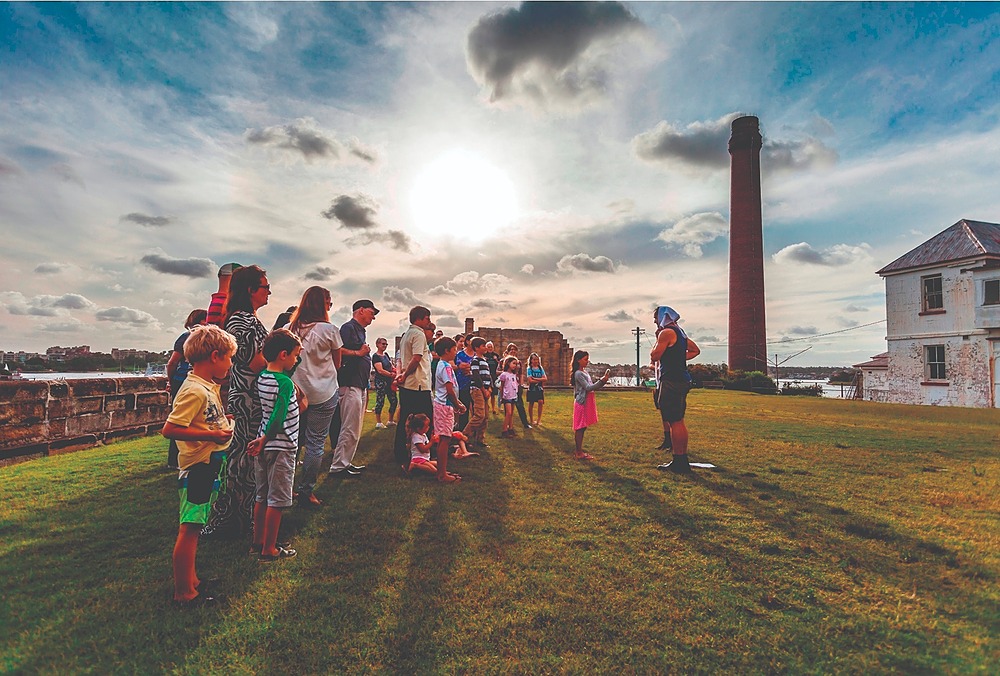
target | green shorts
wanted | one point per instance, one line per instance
(198, 487)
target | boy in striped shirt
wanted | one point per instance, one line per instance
(275, 448)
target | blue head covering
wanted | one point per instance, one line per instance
(665, 316)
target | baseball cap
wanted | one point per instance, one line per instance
(358, 304)
(228, 269)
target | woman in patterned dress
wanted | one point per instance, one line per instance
(232, 514)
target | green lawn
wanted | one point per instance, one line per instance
(834, 536)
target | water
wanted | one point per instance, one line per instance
(77, 376)
(829, 391)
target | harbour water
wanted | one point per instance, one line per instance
(830, 391)
(77, 376)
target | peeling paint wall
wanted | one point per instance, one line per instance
(963, 327)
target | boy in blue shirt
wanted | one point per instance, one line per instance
(275, 449)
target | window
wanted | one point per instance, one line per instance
(991, 292)
(934, 357)
(933, 296)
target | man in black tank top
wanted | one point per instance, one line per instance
(672, 351)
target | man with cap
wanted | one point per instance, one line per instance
(353, 376)
(670, 354)
(217, 307)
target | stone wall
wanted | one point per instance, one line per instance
(48, 417)
(552, 348)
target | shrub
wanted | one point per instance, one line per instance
(749, 381)
(803, 390)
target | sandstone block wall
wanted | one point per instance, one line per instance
(47, 417)
(552, 348)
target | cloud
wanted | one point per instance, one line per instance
(491, 304)
(303, 137)
(148, 221)
(548, 53)
(472, 282)
(45, 305)
(447, 321)
(692, 232)
(400, 299)
(354, 213)
(126, 315)
(397, 239)
(68, 326)
(528, 269)
(585, 263)
(620, 316)
(50, 268)
(846, 323)
(67, 173)
(320, 274)
(855, 308)
(706, 145)
(709, 338)
(9, 168)
(184, 267)
(835, 256)
(803, 330)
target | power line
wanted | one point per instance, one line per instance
(787, 340)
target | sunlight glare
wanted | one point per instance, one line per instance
(462, 194)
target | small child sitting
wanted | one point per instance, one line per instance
(202, 430)
(417, 426)
(275, 449)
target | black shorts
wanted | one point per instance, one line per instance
(535, 395)
(673, 400)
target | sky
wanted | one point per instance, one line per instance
(559, 166)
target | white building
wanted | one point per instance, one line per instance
(943, 320)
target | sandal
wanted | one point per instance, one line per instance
(583, 456)
(449, 479)
(283, 553)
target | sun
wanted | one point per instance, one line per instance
(461, 194)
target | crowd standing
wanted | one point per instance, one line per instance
(307, 381)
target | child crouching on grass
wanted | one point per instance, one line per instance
(584, 400)
(275, 449)
(202, 430)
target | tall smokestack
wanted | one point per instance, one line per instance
(747, 335)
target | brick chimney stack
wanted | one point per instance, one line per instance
(747, 334)
(470, 325)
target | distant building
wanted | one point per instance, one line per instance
(943, 320)
(872, 383)
(552, 348)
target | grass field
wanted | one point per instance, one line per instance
(833, 537)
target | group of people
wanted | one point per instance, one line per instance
(237, 461)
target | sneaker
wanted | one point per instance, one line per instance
(379, 426)
(356, 467)
(676, 466)
(341, 473)
(283, 553)
(391, 423)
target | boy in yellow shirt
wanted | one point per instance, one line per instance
(199, 424)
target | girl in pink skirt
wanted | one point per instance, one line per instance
(584, 401)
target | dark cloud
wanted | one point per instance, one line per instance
(546, 53)
(447, 321)
(836, 256)
(706, 145)
(399, 299)
(709, 338)
(320, 274)
(304, 138)
(491, 304)
(184, 267)
(803, 330)
(148, 221)
(691, 233)
(846, 323)
(855, 308)
(354, 213)
(620, 316)
(585, 263)
(67, 173)
(126, 315)
(396, 239)
(50, 268)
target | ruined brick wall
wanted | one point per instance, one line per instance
(555, 352)
(48, 417)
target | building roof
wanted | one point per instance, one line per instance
(879, 361)
(963, 241)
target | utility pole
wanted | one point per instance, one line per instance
(638, 332)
